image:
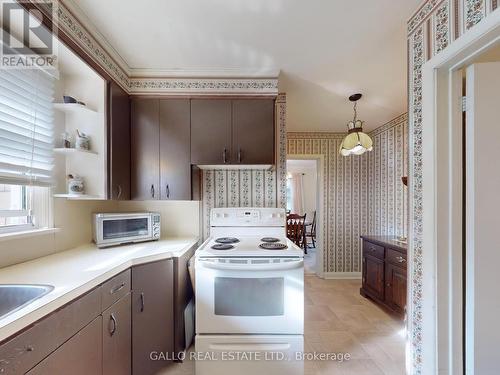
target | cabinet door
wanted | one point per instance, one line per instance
(80, 355)
(253, 131)
(210, 131)
(152, 315)
(373, 276)
(175, 144)
(145, 147)
(395, 287)
(118, 143)
(117, 338)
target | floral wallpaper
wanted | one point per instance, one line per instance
(387, 163)
(362, 195)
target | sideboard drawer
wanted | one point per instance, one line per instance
(373, 250)
(396, 257)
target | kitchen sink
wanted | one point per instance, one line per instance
(16, 296)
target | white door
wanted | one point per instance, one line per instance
(482, 212)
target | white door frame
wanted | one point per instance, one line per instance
(320, 206)
(442, 200)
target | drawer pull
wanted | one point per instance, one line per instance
(117, 288)
(112, 319)
(400, 259)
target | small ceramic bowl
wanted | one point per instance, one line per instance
(69, 99)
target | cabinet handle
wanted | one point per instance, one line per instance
(239, 155)
(119, 193)
(117, 288)
(112, 320)
(400, 259)
(167, 190)
(152, 191)
(224, 156)
(388, 284)
(142, 302)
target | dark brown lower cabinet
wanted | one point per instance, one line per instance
(117, 338)
(152, 315)
(384, 278)
(373, 276)
(111, 330)
(395, 287)
(80, 355)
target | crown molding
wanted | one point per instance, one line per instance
(138, 81)
(204, 73)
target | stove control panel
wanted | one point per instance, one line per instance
(234, 217)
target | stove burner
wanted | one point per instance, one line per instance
(269, 239)
(226, 240)
(273, 246)
(222, 246)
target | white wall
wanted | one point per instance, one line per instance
(73, 218)
(309, 181)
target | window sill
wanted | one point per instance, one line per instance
(28, 233)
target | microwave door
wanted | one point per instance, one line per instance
(115, 230)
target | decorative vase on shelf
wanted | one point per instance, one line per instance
(82, 141)
(75, 185)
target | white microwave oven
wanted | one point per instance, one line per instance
(111, 229)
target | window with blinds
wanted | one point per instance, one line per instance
(26, 127)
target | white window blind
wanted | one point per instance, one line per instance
(26, 127)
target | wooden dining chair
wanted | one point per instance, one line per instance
(295, 230)
(311, 231)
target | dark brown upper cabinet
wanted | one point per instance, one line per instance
(238, 131)
(145, 149)
(175, 163)
(118, 143)
(253, 131)
(210, 131)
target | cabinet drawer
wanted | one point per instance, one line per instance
(396, 258)
(115, 288)
(373, 250)
(25, 350)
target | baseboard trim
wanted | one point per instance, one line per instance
(342, 275)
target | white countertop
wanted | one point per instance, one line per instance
(76, 271)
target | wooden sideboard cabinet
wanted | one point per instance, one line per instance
(384, 272)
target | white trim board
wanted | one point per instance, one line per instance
(342, 275)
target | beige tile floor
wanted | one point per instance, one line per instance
(338, 319)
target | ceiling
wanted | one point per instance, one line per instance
(325, 50)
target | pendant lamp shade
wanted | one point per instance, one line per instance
(356, 142)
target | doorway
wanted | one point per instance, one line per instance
(460, 200)
(303, 198)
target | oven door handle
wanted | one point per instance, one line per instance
(252, 267)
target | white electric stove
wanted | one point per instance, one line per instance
(249, 293)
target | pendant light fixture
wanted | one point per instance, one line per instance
(356, 142)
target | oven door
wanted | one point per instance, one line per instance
(250, 296)
(122, 229)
